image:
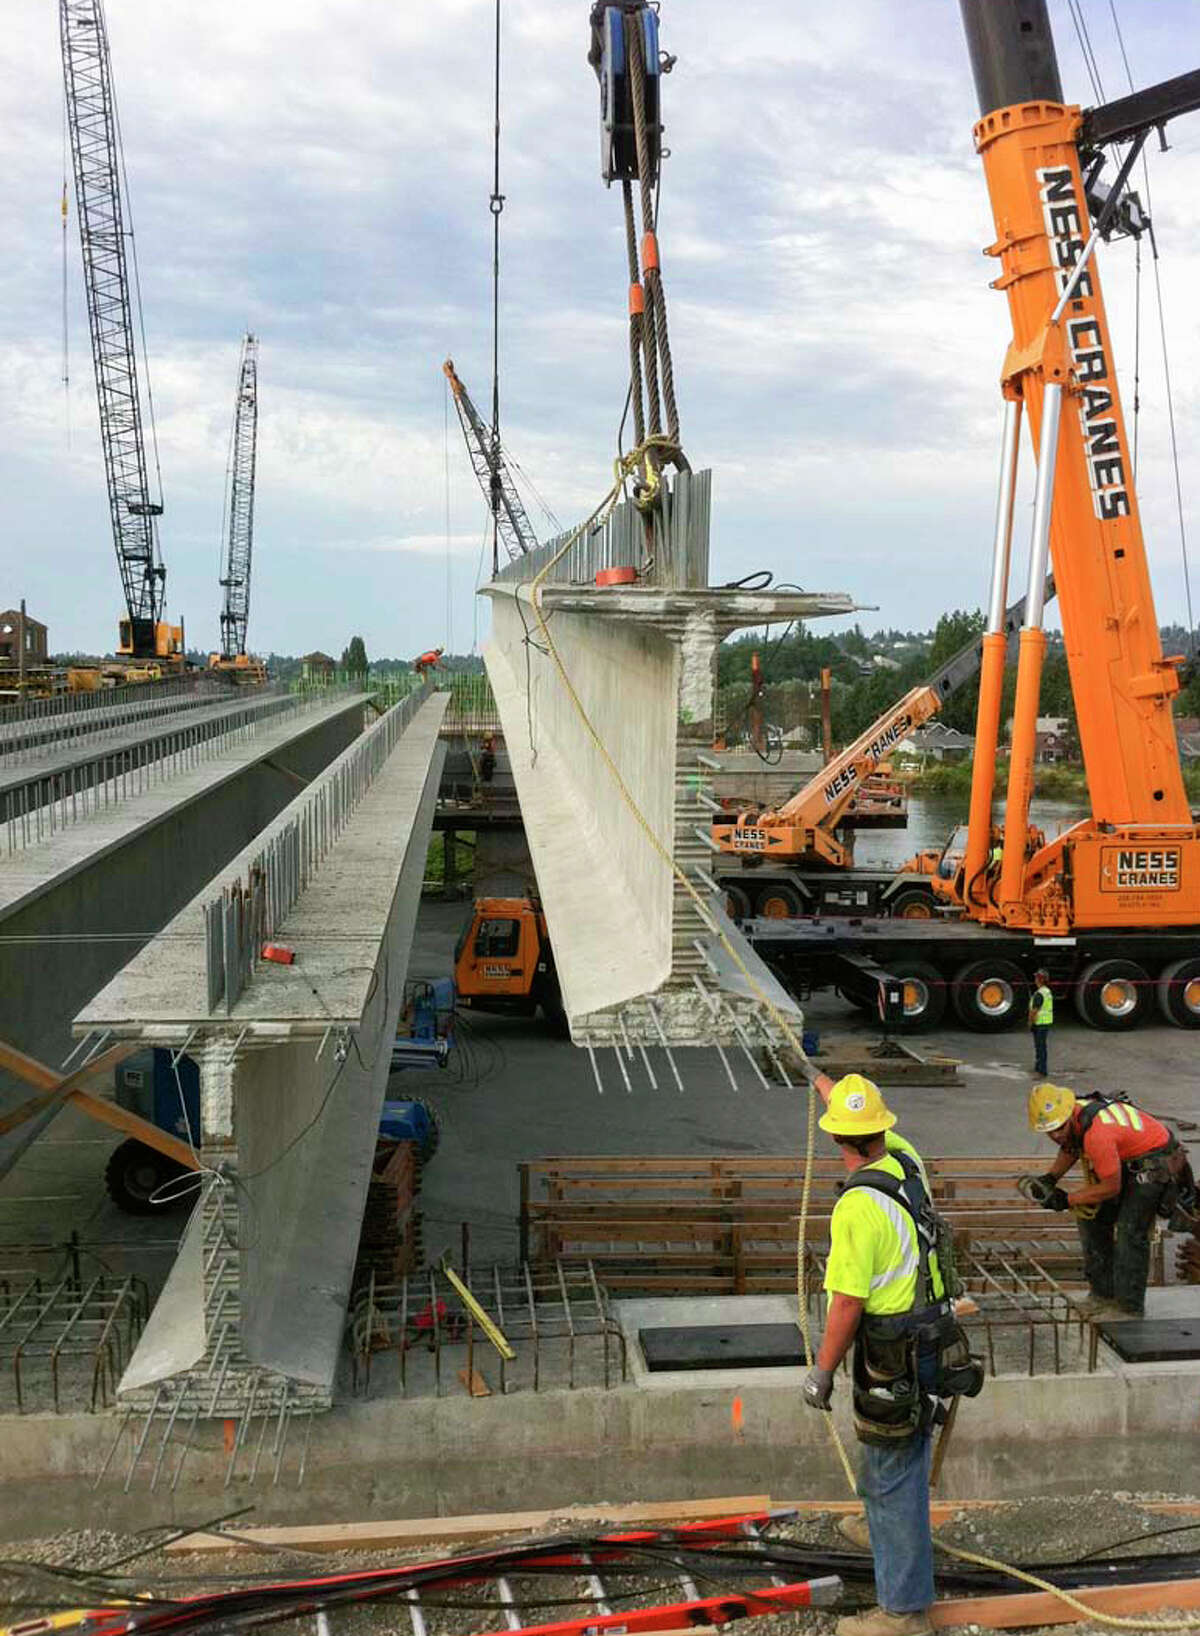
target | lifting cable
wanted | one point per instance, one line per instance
(651, 394)
(1162, 333)
(624, 467)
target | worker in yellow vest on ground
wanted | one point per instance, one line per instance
(1041, 1020)
(888, 1298)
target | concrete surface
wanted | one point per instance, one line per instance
(612, 768)
(74, 909)
(529, 1095)
(296, 1123)
(606, 891)
(440, 1456)
(197, 712)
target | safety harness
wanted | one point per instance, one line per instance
(1167, 1166)
(904, 1362)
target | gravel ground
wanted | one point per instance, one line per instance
(1042, 1530)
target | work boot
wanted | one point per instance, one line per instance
(854, 1528)
(1113, 1312)
(879, 1622)
(1090, 1305)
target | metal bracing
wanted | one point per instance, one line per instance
(239, 524)
(104, 228)
(492, 473)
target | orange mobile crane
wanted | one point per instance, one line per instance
(1112, 906)
(799, 858)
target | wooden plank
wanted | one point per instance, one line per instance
(52, 1087)
(376, 1536)
(108, 1113)
(1041, 1608)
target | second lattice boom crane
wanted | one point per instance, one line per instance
(239, 524)
(491, 470)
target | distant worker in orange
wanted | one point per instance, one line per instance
(1133, 1170)
(427, 661)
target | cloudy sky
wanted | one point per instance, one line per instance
(319, 170)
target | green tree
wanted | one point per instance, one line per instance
(954, 631)
(354, 657)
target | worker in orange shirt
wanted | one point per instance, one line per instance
(427, 661)
(1133, 1170)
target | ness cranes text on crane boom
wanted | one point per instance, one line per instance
(105, 236)
(239, 523)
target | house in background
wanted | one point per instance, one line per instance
(317, 668)
(1187, 736)
(1055, 740)
(36, 642)
(937, 742)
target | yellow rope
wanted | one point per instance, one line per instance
(600, 514)
(628, 464)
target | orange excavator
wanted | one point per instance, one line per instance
(1111, 907)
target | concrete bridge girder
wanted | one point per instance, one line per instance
(642, 663)
(291, 1083)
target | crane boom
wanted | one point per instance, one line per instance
(1135, 861)
(235, 613)
(492, 473)
(103, 211)
(805, 826)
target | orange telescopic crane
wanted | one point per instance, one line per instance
(1135, 861)
(1111, 907)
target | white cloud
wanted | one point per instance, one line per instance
(319, 170)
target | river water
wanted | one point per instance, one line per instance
(931, 818)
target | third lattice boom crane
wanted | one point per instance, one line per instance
(491, 470)
(239, 517)
(105, 236)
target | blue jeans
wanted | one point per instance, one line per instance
(893, 1484)
(1041, 1038)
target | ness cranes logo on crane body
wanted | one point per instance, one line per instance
(1064, 217)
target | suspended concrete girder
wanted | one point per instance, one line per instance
(640, 660)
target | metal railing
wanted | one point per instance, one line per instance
(245, 916)
(41, 806)
(677, 556)
(49, 731)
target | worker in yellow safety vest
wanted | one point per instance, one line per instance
(889, 1296)
(1041, 1020)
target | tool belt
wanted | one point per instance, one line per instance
(1168, 1167)
(891, 1401)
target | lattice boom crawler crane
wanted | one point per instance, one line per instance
(239, 526)
(105, 235)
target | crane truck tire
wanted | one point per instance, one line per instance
(911, 903)
(737, 903)
(1178, 991)
(990, 995)
(1113, 995)
(924, 994)
(134, 1175)
(779, 901)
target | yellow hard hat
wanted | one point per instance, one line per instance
(1050, 1106)
(856, 1109)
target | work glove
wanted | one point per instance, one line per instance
(818, 1388)
(1056, 1199)
(1039, 1189)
